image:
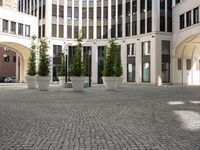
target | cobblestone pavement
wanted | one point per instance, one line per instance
(135, 117)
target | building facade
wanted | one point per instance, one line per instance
(145, 30)
(7, 56)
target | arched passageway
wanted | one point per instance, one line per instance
(22, 53)
(188, 61)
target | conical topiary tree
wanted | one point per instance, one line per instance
(32, 59)
(118, 64)
(109, 61)
(77, 59)
(62, 69)
(43, 69)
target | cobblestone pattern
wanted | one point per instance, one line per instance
(135, 117)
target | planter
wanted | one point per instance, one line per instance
(119, 81)
(31, 82)
(78, 83)
(110, 83)
(43, 82)
(62, 80)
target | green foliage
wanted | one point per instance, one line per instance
(43, 69)
(77, 60)
(86, 64)
(118, 65)
(32, 59)
(62, 69)
(109, 61)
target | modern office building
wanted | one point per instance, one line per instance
(155, 35)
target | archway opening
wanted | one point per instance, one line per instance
(22, 55)
(188, 61)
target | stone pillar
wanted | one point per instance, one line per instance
(94, 63)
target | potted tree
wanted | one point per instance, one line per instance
(62, 70)
(76, 71)
(31, 72)
(118, 66)
(43, 77)
(109, 79)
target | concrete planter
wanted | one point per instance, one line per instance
(62, 80)
(78, 83)
(43, 82)
(119, 81)
(109, 83)
(31, 82)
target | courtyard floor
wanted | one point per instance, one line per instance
(135, 117)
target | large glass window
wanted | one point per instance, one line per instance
(162, 15)
(91, 32)
(27, 30)
(76, 13)
(57, 51)
(84, 32)
(69, 12)
(84, 13)
(105, 13)
(131, 72)
(13, 27)
(165, 61)
(188, 19)
(5, 25)
(61, 31)
(98, 32)
(91, 13)
(54, 30)
(54, 10)
(146, 49)
(98, 13)
(20, 29)
(76, 32)
(127, 29)
(196, 15)
(142, 26)
(105, 32)
(182, 21)
(69, 31)
(119, 30)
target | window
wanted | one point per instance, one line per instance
(84, 13)
(98, 13)
(90, 32)
(113, 11)
(61, 31)
(91, 13)
(146, 48)
(76, 32)
(6, 58)
(130, 50)
(149, 24)
(76, 13)
(54, 10)
(105, 32)
(134, 28)
(188, 64)
(182, 21)
(128, 9)
(131, 72)
(98, 32)
(179, 64)
(188, 19)
(119, 30)
(134, 6)
(61, 11)
(142, 26)
(27, 30)
(142, 5)
(127, 29)
(196, 15)
(43, 30)
(54, 30)
(69, 31)
(5, 25)
(105, 13)
(84, 32)
(20, 29)
(69, 12)
(120, 10)
(13, 27)
(113, 28)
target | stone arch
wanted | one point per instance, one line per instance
(189, 52)
(23, 52)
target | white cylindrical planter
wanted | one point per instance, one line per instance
(43, 82)
(62, 80)
(110, 83)
(119, 81)
(31, 82)
(77, 83)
